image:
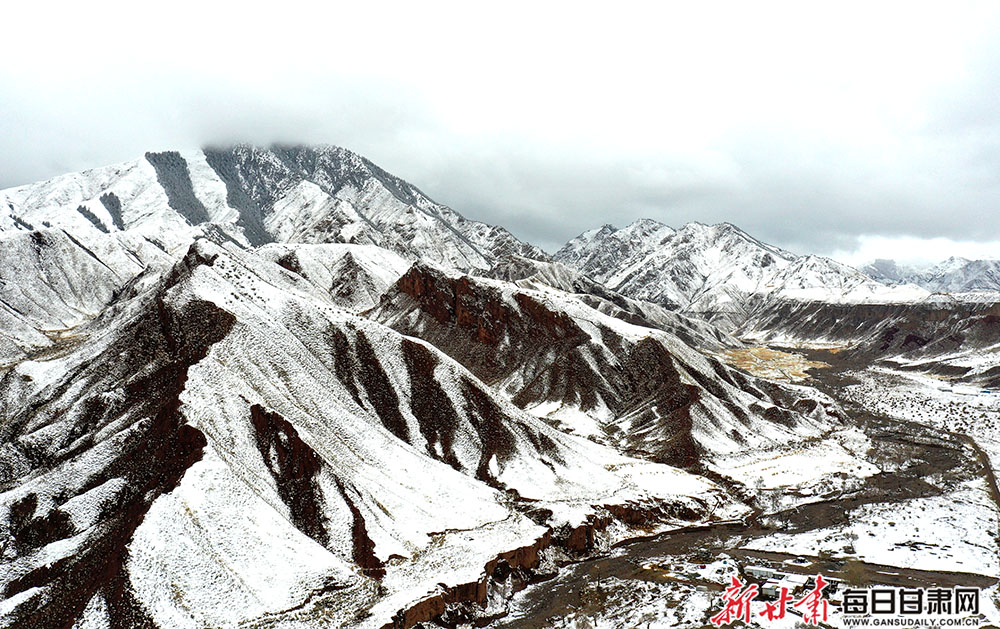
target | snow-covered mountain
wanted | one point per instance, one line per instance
(540, 275)
(69, 243)
(281, 387)
(954, 275)
(256, 196)
(718, 272)
(209, 415)
(763, 294)
(227, 429)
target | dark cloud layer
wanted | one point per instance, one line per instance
(810, 131)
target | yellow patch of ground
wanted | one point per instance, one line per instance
(769, 363)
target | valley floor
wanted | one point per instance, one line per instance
(925, 515)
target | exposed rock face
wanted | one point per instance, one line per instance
(465, 604)
(294, 466)
(550, 351)
(364, 548)
(539, 275)
(520, 561)
(53, 440)
(173, 175)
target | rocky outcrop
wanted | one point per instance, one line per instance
(521, 561)
(294, 466)
(155, 449)
(466, 603)
(551, 351)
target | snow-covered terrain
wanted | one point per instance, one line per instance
(931, 400)
(355, 276)
(765, 295)
(589, 372)
(52, 280)
(283, 388)
(67, 244)
(282, 194)
(955, 532)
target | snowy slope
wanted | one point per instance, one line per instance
(602, 252)
(354, 276)
(298, 464)
(70, 242)
(51, 281)
(539, 274)
(822, 279)
(120, 197)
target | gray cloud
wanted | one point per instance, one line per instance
(806, 138)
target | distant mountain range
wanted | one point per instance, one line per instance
(954, 275)
(717, 272)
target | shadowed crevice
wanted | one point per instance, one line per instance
(294, 466)
(429, 403)
(175, 178)
(363, 552)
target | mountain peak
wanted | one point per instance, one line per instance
(646, 223)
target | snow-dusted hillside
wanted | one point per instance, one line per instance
(52, 280)
(718, 272)
(763, 294)
(67, 244)
(228, 446)
(354, 276)
(953, 337)
(539, 275)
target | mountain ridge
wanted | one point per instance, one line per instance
(714, 271)
(257, 195)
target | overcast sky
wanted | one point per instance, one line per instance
(857, 130)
